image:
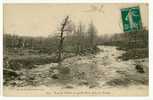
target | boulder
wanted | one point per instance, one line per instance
(139, 68)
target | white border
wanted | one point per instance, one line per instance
(150, 97)
(1, 46)
(75, 1)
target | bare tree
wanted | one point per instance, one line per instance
(60, 48)
(80, 38)
(92, 36)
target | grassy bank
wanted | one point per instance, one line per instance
(134, 43)
(19, 61)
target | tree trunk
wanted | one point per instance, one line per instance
(60, 49)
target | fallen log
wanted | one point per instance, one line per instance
(12, 71)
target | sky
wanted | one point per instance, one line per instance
(43, 19)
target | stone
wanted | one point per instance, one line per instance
(139, 68)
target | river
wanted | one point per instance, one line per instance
(104, 70)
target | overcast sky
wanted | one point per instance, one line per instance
(43, 19)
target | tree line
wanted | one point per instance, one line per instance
(79, 39)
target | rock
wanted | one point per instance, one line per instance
(22, 77)
(69, 86)
(65, 70)
(56, 71)
(83, 82)
(53, 64)
(92, 86)
(55, 76)
(139, 68)
(121, 72)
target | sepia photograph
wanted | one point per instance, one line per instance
(88, 49)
